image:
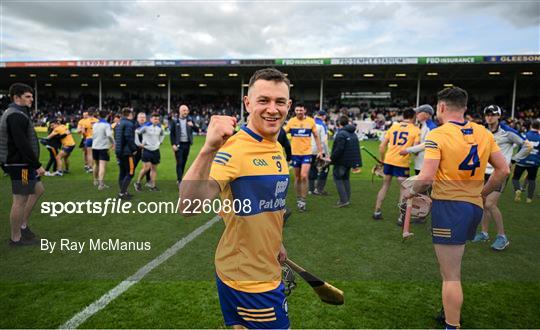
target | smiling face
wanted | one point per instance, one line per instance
(267, 103)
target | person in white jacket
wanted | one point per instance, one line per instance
(152, 137)
(507, 139)
(317, 180)
(102, 141)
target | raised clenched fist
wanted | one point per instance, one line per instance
(219, 130)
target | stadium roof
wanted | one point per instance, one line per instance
(437, 60)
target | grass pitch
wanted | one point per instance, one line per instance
(387, 283)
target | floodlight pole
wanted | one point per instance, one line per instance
(242, 102)
(35, 94)
(169, 95)
(100, 96)
(321, 95)
(418, 92)
(514, 96)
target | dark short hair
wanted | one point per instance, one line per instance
(453, 96)
(103, 113)
(18, 89)
(535, 124)
(408, 113)
(299, 105)
(126, 112)
(269, 74)
(155, 114)
(343, 121)
(91, 111)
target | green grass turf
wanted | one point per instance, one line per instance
(387, 284)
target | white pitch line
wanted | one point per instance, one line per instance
(99, 304)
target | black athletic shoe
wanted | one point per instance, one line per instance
(340, 205)
(137, 186)
(27, 234)
(377, 216)
(125, 196)
(154, 188)
(22, 242)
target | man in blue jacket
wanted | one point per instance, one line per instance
(124, 135)
(345, 155)
(529, 164)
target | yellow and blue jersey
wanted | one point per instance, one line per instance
(463, 150)
(66, 141)
(252, 173)
(88, 125)
(82, 122)
(301, 131)
(400, 136)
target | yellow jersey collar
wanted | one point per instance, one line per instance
(252, 134)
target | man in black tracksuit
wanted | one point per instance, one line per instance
(345, 155)
(181, 128)
(19, 157)
(124, 135)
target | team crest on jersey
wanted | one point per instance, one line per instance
(259, 162)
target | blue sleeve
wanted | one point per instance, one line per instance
(431, 124)
(512, 131)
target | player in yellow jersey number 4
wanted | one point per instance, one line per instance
(455, 161)
(249, 169)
